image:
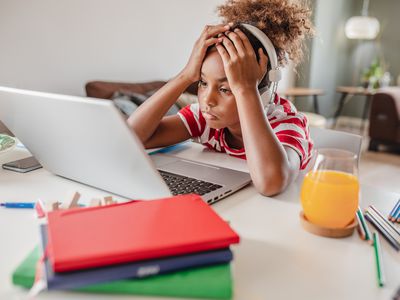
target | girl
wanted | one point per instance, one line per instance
(229, 64)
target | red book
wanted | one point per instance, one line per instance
(98, 236)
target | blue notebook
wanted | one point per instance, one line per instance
(82, 278)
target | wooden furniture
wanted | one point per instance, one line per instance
(276, 257)
(347, 93)
(296, 92)
(384, 124)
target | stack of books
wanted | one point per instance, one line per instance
(176, 246)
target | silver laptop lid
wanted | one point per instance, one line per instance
(83, 139)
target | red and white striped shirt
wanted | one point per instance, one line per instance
(290, 127)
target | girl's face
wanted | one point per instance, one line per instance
(217, 103)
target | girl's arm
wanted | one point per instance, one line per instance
(272, 166)
(148, 121)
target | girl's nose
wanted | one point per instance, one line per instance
(209, 100)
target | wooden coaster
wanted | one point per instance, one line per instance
(325, 231)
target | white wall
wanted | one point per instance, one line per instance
(57, 46)
(329, 59)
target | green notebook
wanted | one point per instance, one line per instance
(213, 282)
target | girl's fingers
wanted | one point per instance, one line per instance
(246, 43)
(237, 42)
(230, 48)
(213, 30)
(223, 53)
(211, 41)
(263, 62)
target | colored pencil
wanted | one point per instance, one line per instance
(397, 216)
(385, 227)
(388, 224)
(381, 229)
(368, 235)
(360, 228)
(394, 210)
(393, 234)
(378, 259)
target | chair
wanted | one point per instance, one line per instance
(384, 120)
(327, 138)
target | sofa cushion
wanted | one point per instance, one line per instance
(128, 101)
(106, 90)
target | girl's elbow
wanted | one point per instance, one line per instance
(271, 184)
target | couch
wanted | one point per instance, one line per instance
(106, 90)
(128, 96)
(4, 129)
(384, 120)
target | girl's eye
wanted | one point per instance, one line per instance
(223, 90)
(202, 83)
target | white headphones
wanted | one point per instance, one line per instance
(274, 74)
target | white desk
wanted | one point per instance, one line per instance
(276, 258)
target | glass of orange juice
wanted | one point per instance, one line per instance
(330, 192)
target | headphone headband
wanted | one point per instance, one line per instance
(274, 75)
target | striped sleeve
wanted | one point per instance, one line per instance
(192, 119)
(291, 129)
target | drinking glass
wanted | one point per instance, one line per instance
(330, 191)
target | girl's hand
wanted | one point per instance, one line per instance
(240, 62)
(207, 38)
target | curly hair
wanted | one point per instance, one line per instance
(287, 24)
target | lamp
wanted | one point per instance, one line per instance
(362, 27)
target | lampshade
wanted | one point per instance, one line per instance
(362, 27)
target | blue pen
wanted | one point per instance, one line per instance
(168, 148)
(18, 204)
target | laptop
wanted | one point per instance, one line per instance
(88, 140)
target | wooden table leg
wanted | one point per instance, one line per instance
(365, 112)
(339, 109)
(316, 109)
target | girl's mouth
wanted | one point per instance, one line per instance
(209, 116)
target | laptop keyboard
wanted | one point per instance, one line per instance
(179, 184)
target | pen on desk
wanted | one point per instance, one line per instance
(364, 224)
(394, 211)
(385, 225)
(382, 230)
(166, 149)
(391, 228)
(18, 204)
(378, 259)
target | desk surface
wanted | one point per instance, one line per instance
(355, 90)
(299, 91)
(276, 258)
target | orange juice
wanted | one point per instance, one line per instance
(330, 198)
